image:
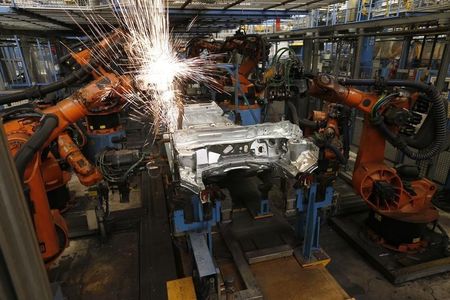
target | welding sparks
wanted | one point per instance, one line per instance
(156, 67)
(153, 63)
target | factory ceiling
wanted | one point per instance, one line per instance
(209, 15)
(187, 17)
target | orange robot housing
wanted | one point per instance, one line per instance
(43, 173)
(371, 176)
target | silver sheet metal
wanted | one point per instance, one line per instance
(209, 145)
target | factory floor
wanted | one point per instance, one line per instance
(90, 269)
(94, 270)
(361, 281)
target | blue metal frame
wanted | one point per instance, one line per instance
(21, 56)
(366, 59)
(55, 75)
(255, 114)
(202, 255)
(308, 223)
(199, 224)
(100, 142)
(264, 207)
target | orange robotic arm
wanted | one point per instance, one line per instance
(253, 48)
(85, 171)
(106, 49)
(51, 229)
(371, 176)
(88, 98)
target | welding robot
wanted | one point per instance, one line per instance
(39, 140)
(412, 117)
(240, 56)
(103, 124)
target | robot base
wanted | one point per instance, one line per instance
(395, 234)
(396, 266)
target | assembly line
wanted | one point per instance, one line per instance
(285, 153)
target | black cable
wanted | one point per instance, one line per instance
(40, 91)
(21, 112)
(294, 113)
(300, 121)
(115, 174)
(336, 152)
(437, 113)
(26, 153)
(424, 137)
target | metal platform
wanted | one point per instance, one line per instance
(262, 253)
(284, 278)
(396, 267)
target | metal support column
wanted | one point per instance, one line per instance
(367, 57)
(444, 66)
(22, 57)
(18, 243)
(2, 77)
(405, 52)
(315, 59)
(422, 50)
(307, 54)
(55, 75)
(432, 52)
(369, 12)
(357, 56)
(200, 224)
(336, 63)
(308, 225)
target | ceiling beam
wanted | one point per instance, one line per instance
(351, 36)
(308, 3)
(17, 18)
(233, 4)
(4, 31)
(186, 3)
(222, 13)
(278, 4)
(372, 24)
(32, 15)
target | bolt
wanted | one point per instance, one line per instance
(366, 102)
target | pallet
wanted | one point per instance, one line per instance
(396, 267)
(181, 289)
(272, 272)
(284, 278)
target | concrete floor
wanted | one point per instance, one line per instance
(93, 270)
(90, 269)
(363, 282)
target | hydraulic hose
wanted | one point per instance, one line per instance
(40, 91)
(315, 125)
(294, 113)
(21, 112)
(425, 136)
(437, 112)
(300, 121)
(336, 152)
(26, 153)
(308, 123)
